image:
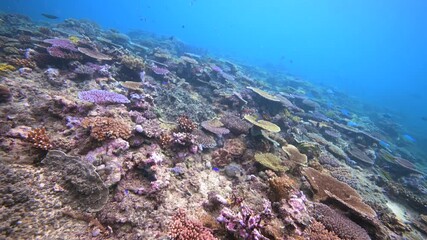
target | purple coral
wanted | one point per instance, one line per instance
(102, 97)
(159, 71)
(295, 212)
(62, 43)
(245, 224)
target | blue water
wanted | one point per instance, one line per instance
(373, 50)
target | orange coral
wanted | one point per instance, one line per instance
(39, 139)
(103, 128)
(165, 140)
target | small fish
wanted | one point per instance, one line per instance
(171, 38)
(424, 119)
(215, 169)
(50, 16)
(183, 26)
(352, 124)
(408, 138)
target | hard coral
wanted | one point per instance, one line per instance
(236, 124)
(245, 224)
(182, 228)
(102, 97)
(39, 139)
(133, 63)
(270, 161)
(280, 187)
(269, 126)
(215, 126)
(326, 187)
(317, 231)
(103, 128)
(339, 224)
(185, 124)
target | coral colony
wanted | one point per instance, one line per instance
(104, 136)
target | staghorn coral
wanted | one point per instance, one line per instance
(325, 187)
(271, 127)
(270, 161)
(339, 224)
(39, 139)
(182, 228)
(102, 128)
(79, 178)
(215, 126)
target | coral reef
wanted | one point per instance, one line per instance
(79, 178)
(102, 128)
(337, 223)
(181, 228)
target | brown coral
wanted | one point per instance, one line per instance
(280, 188)
(185, 124)
(103, 128)
(133, 63)
(326, 187)
(317, 231)
(182, 228)
(39, 139)
(339, 224)
(215, 126)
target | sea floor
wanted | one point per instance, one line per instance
(111, 136)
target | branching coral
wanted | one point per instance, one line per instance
(39, 139)
(245, 224)
(133, 63)
(185, 124)
(103, 128)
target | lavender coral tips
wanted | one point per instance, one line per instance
(102, 97)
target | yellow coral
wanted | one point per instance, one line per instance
(4, 67)
(269, 126)
(264, 94)
(270, 161)
(74, 39)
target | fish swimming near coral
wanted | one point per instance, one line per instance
(50, 16)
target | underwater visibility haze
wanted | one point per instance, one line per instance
(227, 119)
